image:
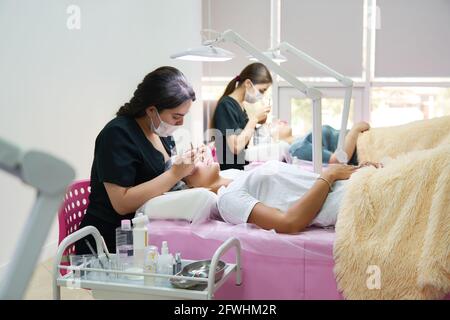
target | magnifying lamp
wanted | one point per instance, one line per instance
(50, 177)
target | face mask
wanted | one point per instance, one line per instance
(253, 98)
(164, 129)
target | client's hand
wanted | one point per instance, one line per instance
(338, 172)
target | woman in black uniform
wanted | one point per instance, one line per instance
(231, 119)
(132, 152)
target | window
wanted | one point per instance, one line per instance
(395, 51)
(399, 105)
(297, 109)
(301, 114)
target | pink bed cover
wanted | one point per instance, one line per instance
(275, 266)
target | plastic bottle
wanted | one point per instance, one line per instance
(150, 263)
(165, 263)
(124, 245)
(140, 239)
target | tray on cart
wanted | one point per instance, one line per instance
(197, 269)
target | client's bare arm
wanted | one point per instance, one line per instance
(304, 210)
(351, 139)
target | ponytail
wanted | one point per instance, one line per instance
(231, 87)
(131, 109)
(256, 72)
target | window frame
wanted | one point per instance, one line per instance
(288, 93)
(363, 86)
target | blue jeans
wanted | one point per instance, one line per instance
(302, 147)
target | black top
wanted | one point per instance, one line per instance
(125, 157)
(229, 118)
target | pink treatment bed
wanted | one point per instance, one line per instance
(274, 266)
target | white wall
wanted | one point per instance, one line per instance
(59, 87)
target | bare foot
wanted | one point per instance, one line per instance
(361, 126)
(368, 163)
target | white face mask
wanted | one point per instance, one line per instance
(164, 129)
(253, 98)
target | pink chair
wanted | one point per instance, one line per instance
(71, 213)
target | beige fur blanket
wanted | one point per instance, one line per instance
(393, 229)
(379, 143)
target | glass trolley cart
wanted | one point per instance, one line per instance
(101, 274)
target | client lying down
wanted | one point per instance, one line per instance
(277, 195)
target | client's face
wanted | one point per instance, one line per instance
(204, 175)
(282, 128)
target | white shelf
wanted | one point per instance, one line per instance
(139, 287)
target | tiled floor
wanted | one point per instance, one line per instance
(40, 287)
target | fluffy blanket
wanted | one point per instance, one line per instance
(393, 229)
(377, 144)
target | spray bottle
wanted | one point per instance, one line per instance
(165, 262)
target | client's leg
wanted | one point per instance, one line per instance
(303, 148)
(351, 139)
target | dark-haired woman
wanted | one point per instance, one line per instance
(231, 120)
(132, 152)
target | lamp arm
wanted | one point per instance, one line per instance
(50, 177)
(10, 158)
(287, 47)
(231, 36)
(345, 81)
